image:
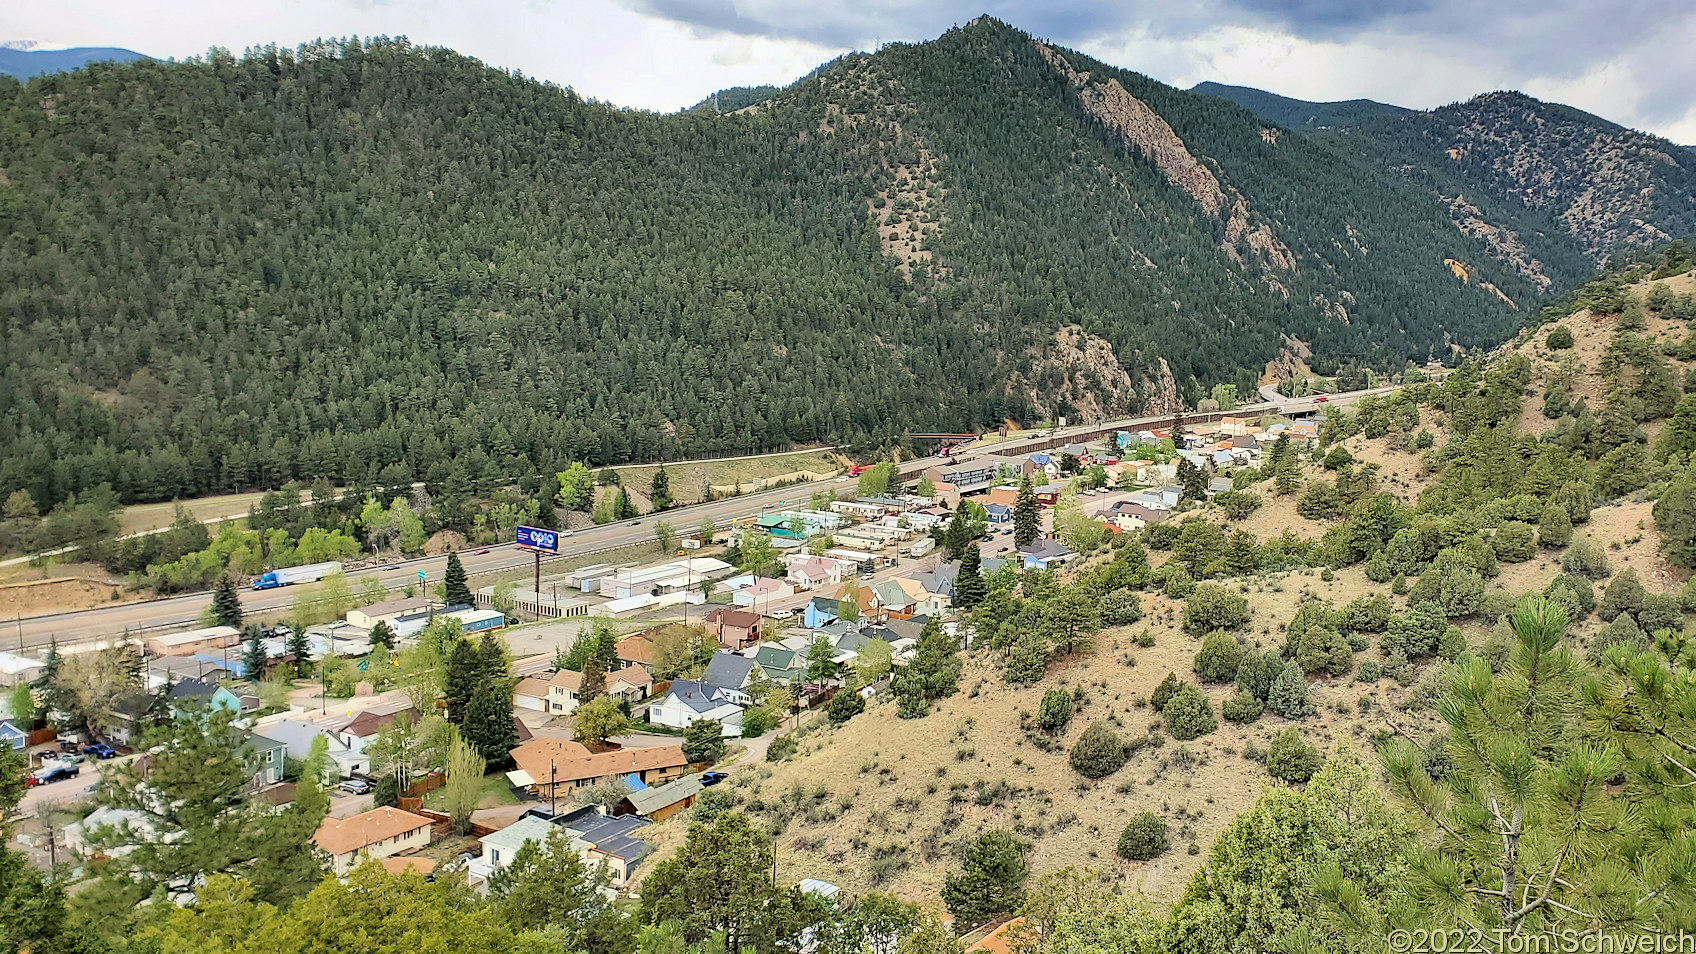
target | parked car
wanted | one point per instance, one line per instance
(56, 773)
(780, 614)
(356, 786)
(713, 778)
(65, 758)
(100, 750)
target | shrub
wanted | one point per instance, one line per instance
(1368, 614)
(1338, 458)
(1188, 714)
(1438, 762)
(845, 705)
(1397, 667)
(781, 748)
(1257, 672)
(1179, 583)
(1288, 695)
(1514, 543)
(1661, 611)
(1121, 607)
(1163, 692)
(1219, 657)
(1291, 759)
(1055, 712)
(1415, 633)
(1555, 529)
(1369, 671)
(1143, 838)
(1242, 708)
(1098, 753)
(1238, 504)
(1424, 440)
(1559, 339)
(1451, 643)
(1324, 650)
(1453, 583)
(1575, 593)
(1027, 659)
(1398, 586)
(1213, 607)
(1624, 595)
(1586, 559)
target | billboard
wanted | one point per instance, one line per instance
(538, 539)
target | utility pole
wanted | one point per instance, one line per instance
(553, 789)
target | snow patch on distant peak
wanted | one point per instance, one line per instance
(35, 46)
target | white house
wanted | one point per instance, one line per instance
(501, 847)
(760, 593)
(688, 702)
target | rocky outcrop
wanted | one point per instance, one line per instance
(1504, 242)
(1144, 130)
(1079, 370)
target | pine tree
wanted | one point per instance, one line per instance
(622, 508)
(456, 583)
(1027, 514)
(464, 677)
(254, 657)
(301, 649)
(491, 658)
(969, 585)
(594, 682)
(226, 604)
(383, 634)
(488, 723)
(659, 489)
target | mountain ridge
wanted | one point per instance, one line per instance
(401, 262)
(26, 63)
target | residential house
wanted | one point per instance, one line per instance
(363, 730)
(1218, 485)
(501, 847)
(366, 617)
(1234, 425)
(811, 572)
(688, 702)
(636, 649)
(820, 610)
(732, 672)
(998, 513)
(925, 602)
(161, 671)
(947, 493)
(607, 840)
(378, 833)
(15, 670)
(760, 594)
(193, 641)
(940, 583)
(268, 757)
(531, 693)
(662, 801)
(892, 601)
(12, 735)
(1043, 554)
(1132, 516)
(734, 628)
(1159, 498)
(297, 736)
(131, 712)
(630, 684)
(551, 767)
(783, 664)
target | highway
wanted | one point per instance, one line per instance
(80, 626)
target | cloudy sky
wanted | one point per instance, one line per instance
(1628, 60)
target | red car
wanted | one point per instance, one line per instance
(1321, 399)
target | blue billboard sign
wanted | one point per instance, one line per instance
(538, 539)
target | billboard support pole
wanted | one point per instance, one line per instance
(538, 584)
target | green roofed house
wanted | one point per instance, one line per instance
(782, 665)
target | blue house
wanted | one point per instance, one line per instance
(819, 612)
(12, 735)
(999, 513)
(189, 694)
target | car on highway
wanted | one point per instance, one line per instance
(481, 552)
(635, 523)
(100, 750)
(356, 786)
(567, 532)
(713, 778)
(1321, 399)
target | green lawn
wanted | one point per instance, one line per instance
(497, 791)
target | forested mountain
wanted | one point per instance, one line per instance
(1552, 188)
(356, 256)
(24, 62)
(1301, 114)
(730, 99)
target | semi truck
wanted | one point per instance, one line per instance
(288, 576)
